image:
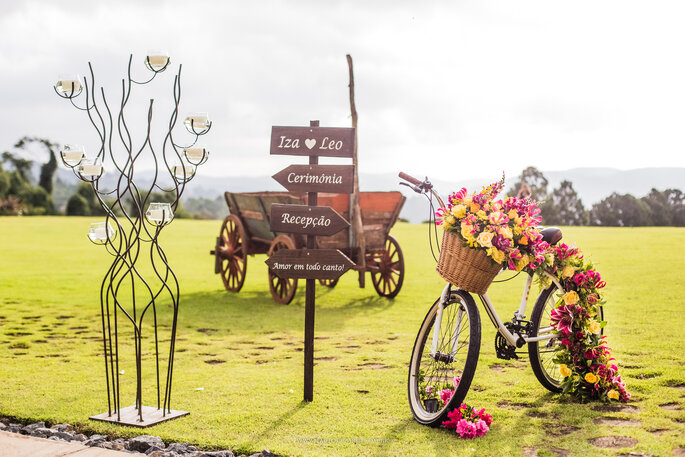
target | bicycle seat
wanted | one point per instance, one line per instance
(552, 235)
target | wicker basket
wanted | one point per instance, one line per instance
(466, 268)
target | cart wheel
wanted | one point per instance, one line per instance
(330, 283)
(387, 269)
(282, 289)
(232, 253)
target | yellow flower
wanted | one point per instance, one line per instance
(518, 229)
(482, 215)
(549, 257)
(459, 211)
(564, 370)
(568, 271)
(506, 232)
(512, 214)
(594, 327)
(485, 239)
(497, 255)
(475, 207)
(613, 394)
(466, 230)
(571, 297)
(591, 378)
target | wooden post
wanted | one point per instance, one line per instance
(357, 239)
(310, 301)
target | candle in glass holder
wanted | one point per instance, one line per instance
(159, 213)
(183, 171)
(98, 231)
(68, 85)
(156, 60)
(195, 154)
(90, 168)
(73, 154)
(197, 121)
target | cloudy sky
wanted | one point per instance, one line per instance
(451, 90)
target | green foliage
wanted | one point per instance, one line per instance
(25, 198)
(77, 205)
(620, 211)
(667, 208)
(532, 183)
(563, 207)
(362, 348)
(84, 202)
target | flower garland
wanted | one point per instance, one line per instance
(584, 359)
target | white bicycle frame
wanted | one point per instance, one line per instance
(544, 333)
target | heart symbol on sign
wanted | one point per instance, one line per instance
(310, 142)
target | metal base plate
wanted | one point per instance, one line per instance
(129, 416)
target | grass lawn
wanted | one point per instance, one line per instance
(239, 368)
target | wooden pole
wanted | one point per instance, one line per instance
(310, 301)
(357, 239)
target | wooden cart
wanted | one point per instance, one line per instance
(246, 231)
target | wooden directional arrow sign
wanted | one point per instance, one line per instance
(312, 141)
(310, 220)
(337, 179)
(309, 263)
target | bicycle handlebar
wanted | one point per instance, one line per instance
(420, 187)
(409, 179)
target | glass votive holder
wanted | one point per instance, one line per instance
(197, 123)
(157, 60)
(183, 172)
(196, 155)
(159, 213)
(73, 154)
(99, 232)
(90, 169)
(68, 85)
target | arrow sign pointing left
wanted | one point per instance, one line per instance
(337, 179)
(309, 263)
(310, 220)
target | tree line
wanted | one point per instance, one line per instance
(562, 206)
(20, 194)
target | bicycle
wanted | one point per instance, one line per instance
(446, 351)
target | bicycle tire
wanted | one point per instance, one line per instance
(546, 371)
(422, 360)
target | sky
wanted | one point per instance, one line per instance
(452, 90)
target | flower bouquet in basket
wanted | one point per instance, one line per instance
(483, 235)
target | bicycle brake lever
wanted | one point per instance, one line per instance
(416, 189)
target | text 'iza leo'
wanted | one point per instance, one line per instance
(326, 143)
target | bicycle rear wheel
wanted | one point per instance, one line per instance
(541, 353)
(453, 363)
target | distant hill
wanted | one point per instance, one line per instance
(592, 185)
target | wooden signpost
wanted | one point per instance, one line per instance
(309, 220)
(310, 263)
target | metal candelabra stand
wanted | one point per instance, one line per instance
(127, 296)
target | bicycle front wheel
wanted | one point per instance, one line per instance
(541, 353)
(444, 359)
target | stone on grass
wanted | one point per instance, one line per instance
(94, 440)
(144, 442)
(29, 429)
(181, 448)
